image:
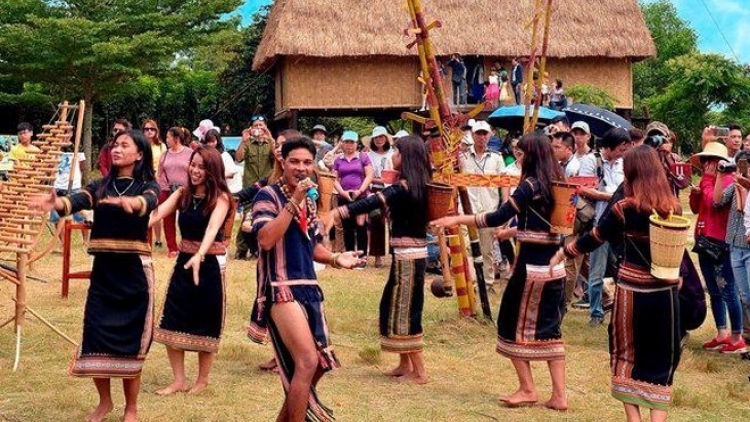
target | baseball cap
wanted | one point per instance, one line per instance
(656, 127)
(350, 135)
(581, 125)
(481, 125)
(379, 131)
(319, 128)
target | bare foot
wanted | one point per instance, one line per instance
(269, 366)
(561, 405)
(172, 388)
(413, 377)
(398, 371)
(130, 416)
(198, 387)
(520, 398)
(100, 412)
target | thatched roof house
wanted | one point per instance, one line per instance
(348, 54)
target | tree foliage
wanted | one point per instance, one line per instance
(697, 84)
(93, 48)
(590, 94)
(673, 38)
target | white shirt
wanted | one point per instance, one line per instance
(63, 171)
(612, 176)
(490, 163)
(235, 183)
(572, 166)
(380, 161)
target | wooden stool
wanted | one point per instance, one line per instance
(66, 274)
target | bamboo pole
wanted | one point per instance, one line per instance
(543, 62)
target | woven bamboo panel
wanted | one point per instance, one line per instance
(349, 83)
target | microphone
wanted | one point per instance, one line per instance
(312, 192)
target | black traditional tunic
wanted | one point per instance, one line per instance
(118, 315)
(286, 274)
(403, 297)
(644, 335)
(193, 316)
(532, 307)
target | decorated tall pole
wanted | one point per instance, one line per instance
(444, 153)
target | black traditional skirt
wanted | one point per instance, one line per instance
(401, 307)
(644, 339)
(193, 316)
(531, 311)
(118, 317)
(310, 299)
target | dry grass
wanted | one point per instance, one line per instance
(466, 375)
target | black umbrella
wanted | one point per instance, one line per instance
(598, 119)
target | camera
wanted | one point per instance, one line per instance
(173, 187)
(726, 166)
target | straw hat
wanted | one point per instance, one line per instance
(713, 150)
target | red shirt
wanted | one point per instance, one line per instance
(105, 159)
(712, 221)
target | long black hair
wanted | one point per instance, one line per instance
(539, 163)
(214, 134)
(415, 169)
(143, 170)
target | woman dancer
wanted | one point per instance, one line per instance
(117, 321)
(403, 297)
(533, 303)
(644, 338)
(194, 309)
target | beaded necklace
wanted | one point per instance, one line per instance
(308, 211)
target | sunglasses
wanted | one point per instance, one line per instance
(257, 118)
(149, 129)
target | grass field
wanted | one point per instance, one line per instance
(466, 375)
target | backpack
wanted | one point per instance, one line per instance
(586, 209)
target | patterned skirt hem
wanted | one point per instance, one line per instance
(184, 341)
(106, 366)
(402, 344)
(641, 393)
(257, 334)
(534, 350)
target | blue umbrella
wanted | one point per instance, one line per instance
(511, 117)
(598, 119)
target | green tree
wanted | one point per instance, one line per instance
(245, 91)
(698, 84)
(673, 38)
(95, 48)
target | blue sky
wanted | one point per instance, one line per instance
(724, 30)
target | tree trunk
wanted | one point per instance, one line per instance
(87, 121)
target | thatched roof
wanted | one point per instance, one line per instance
(356, 28)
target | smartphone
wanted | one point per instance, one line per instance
(742, 166)
(721, 132)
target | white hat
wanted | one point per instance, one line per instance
(481, 125)
(400, 134)
(203, 127)
(379, 131)
(581, 125)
